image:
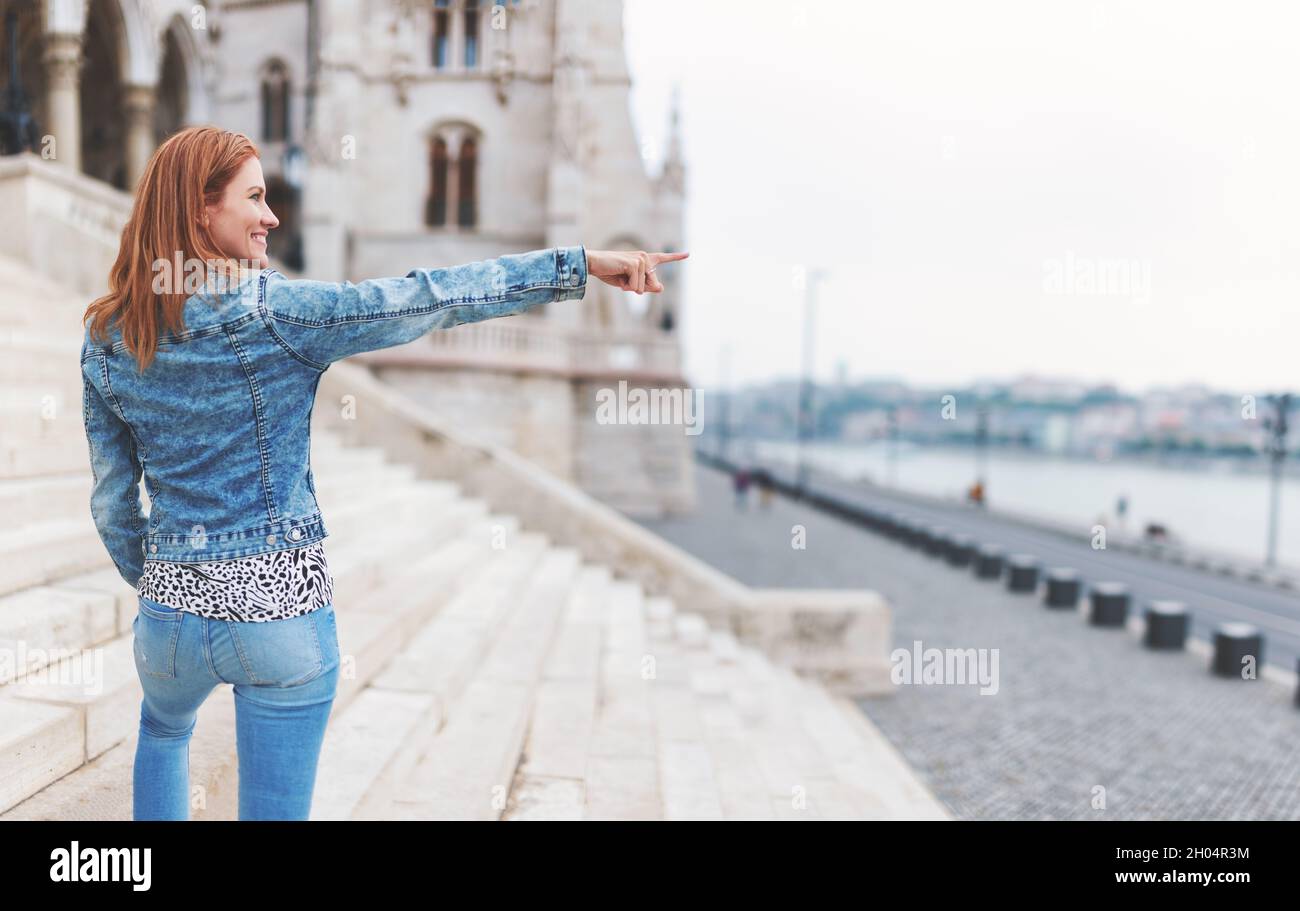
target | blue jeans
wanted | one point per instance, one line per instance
(285, 674)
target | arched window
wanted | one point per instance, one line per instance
(471, 33)
(435, 207)
(275, 102)
(466, 172)
(441, 33)
(452, 199)
(169, 108)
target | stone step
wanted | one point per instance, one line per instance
(43, 622)
(83, 612)
(27, 355)
(550, 783)
(729, 729)
(63, 496)
(600, 682)
(364, 742)
(58, 316)
(331, 480)
(864, 758)
(433, 666)
(688, 777)
(67, 495)
(25, 288)
(799, 779)
(373, 630)
(628, 764)
(50, 399)
(326, 456)
(94, 789)
(33, 444)
(468, 769)
(44, 551)
(480, 658)
(47, 550)
(816, 762)
(364, 563)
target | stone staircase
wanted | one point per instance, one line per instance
(488, 672)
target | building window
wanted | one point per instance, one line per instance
(441, 33)
(453, 177)
(275, 102)
(435, 207)
(466, 169)
(471, 33)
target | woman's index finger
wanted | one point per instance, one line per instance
(668, 257)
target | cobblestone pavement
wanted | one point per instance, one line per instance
(1077, 708)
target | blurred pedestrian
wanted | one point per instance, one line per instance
(764, 481)
(741, 481)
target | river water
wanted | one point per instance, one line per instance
(1215, 505)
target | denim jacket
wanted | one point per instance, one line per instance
(218, 425)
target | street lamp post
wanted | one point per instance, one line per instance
(724, 418)
(981, 450)
(1277, 454)
(805, 420)
(892, 443)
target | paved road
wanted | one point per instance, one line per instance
(1211, 598)
(1080, 713)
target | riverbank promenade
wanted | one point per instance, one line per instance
(1085, 723)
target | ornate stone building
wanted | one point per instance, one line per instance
(409, 133)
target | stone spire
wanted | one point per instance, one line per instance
(673, 176)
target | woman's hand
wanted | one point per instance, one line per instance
(629, 270)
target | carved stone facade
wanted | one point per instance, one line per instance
(414, 133)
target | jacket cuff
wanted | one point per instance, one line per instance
(571, 272)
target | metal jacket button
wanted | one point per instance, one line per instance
(270, 539)
(153, 548)
(295, 533)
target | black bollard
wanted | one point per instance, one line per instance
(1110, 602)
(912, 532)
(1233, 643)
(961, 550)
(1063, 587)
(936, 540)
(1022, 573)
(988, 562)
(1166, 625)
(923, 537)
(945, 543)
(894, 526)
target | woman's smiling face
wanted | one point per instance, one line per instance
(241, 220)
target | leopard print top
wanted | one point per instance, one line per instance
(273, 586)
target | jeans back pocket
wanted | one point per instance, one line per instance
(156, 629)
(280, 652)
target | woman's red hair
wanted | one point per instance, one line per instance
(189, 171)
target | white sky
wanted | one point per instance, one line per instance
(938, 158)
